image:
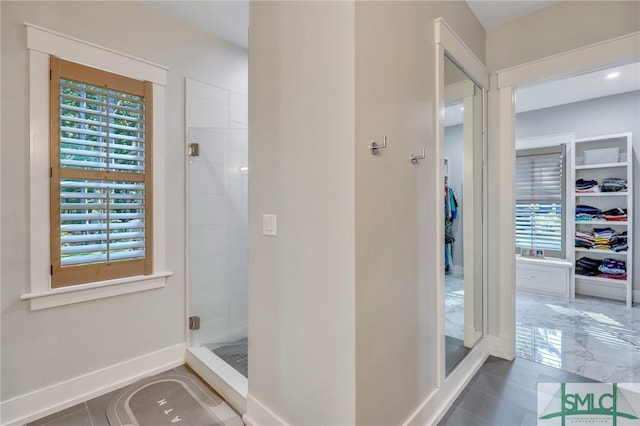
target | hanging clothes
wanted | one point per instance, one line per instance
(450, 215)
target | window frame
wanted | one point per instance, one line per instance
(62, 276)
(546, 150)
(41, 44)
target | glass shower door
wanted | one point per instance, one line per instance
(218, 178)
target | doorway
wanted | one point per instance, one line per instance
(574, 207)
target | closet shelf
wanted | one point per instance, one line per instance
(600, 166)
(602, 222)
(620, 169)
(602, 194)
(601, 280)
(607, 252)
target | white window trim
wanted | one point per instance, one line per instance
(41, 44)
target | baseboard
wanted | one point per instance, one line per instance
(259, 415)
(51, 399)
(433, 409)
(501, 347)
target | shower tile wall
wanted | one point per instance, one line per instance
(217, 120)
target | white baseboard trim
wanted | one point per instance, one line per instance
(259, 414)
(501, 347)
(433, 409)
(51, 399)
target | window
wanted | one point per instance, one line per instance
(540, 201)
(100, 175)
(42, 292)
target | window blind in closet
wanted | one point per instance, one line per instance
(540, 200)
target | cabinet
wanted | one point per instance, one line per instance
(548, 276)
(599, 211)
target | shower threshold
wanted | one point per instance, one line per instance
(228, 382)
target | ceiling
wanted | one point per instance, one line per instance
(229, 20)
(597, 84)
(492, 13)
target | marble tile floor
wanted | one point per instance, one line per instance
(89, 413)
(590, 337)
(454, 306)
(504, 393)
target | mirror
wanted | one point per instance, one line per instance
(463, 192)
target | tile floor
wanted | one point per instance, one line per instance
(454, 321)
(454, 306)
(594, 338)
(504, 393)
(89, 413)
(558, 340)
(236, 355)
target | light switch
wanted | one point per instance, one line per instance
(269, 225)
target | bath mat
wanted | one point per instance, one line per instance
(170, 399)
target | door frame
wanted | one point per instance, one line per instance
(447, 41)
(611, 52)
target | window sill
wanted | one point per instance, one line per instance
(99, 290)
(560, 263)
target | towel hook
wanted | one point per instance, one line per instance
(414, 158)
(374, 147)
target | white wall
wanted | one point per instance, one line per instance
(301, 131)
(47, 347)
(596, 117)
(396, 226)
(342, 312)
(561, 27)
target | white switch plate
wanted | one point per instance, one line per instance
(269, 225)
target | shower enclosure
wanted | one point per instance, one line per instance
(217, 138)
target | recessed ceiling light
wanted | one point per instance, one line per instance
(461, 108)
(613, 75)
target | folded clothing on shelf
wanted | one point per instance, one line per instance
(601, 239)
(613, 185)
(587, 266)
(619, 242)
(586, 185)
(613, 267)
(584, 212)
(607, 268)
(617, 214)
(582, 208)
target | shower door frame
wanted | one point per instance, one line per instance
(228, 382)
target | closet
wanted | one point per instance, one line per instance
(602, 195)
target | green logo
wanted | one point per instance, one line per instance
(592, 401)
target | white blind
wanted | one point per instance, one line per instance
(102, 220)
(540, 200)
(100, 129)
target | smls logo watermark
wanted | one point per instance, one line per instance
(588, 404)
